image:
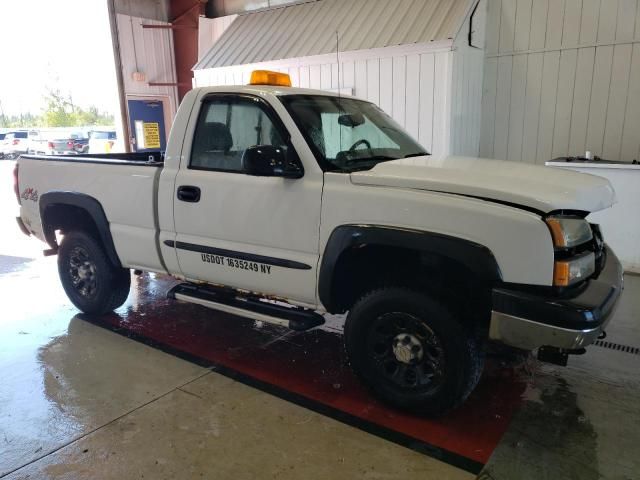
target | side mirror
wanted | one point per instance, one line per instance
(270, 161)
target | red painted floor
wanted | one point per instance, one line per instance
(312, 365)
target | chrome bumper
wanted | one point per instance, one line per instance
(529, 335)
(529, 320)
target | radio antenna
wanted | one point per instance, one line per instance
(338, 62)
(339, 94)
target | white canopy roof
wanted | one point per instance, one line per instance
(307, 29)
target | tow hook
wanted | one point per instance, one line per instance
(558, 356)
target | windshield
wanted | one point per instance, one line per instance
(347, 134)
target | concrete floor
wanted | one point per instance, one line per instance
(80, 401)
(581, 421)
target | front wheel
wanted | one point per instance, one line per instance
(91, 281)
(411, 351)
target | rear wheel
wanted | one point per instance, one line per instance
(411, 351)
(91, 281)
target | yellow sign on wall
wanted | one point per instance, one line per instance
(151, 132)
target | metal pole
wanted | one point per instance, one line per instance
(115, 41)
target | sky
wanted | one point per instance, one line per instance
(63, 44)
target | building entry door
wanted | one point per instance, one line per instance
(146, 123)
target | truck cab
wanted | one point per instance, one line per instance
(282, 204)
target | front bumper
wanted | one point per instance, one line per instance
(529, 320)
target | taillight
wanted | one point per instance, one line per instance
(16, 187)
(50, 145)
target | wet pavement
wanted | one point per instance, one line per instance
(70, 375)
(81, 400)
(581, 421)
(162, 389)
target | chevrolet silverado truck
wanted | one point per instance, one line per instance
(283, 204)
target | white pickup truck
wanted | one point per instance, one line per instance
(281, 204)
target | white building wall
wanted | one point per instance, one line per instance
(466, 86)
(411, 83)
(561, 77)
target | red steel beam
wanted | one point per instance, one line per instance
(169, 84)
(171, 26)
(185, 40)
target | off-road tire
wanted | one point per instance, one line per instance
(458, 348)
(112, 283)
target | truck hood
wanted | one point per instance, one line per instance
(541, 188)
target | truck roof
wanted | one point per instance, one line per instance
(274, 90)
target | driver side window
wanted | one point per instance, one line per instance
(226, 127)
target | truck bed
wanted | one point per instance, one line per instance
(138, 158)
(125, 185)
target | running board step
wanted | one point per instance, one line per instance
(295, 318)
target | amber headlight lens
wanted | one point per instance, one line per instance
(573, 270)
(569, 232)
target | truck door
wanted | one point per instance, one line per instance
(249, 232)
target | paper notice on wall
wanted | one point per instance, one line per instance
(140, 143)
(151, 131)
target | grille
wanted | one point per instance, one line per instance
(617, 347)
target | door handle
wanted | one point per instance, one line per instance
(189, 193)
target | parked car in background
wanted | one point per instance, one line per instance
(81, 144)
(102, 141)
(2, 135)
(36, 137)
(53, 142)
(14, 144)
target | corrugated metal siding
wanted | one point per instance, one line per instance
(466, 90)
(210, 30)
(414, 88)
(149, 51)
(561, 77)
(310, 29)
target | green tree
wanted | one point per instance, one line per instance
(92, 116)
(58, 110)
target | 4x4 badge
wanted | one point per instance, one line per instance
(30, 194)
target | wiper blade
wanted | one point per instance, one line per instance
(417, 154)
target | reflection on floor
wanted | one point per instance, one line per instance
(79, 400)
(580, 421)
(310, 368)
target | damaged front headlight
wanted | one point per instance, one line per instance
(571, 267)
(568, 232)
